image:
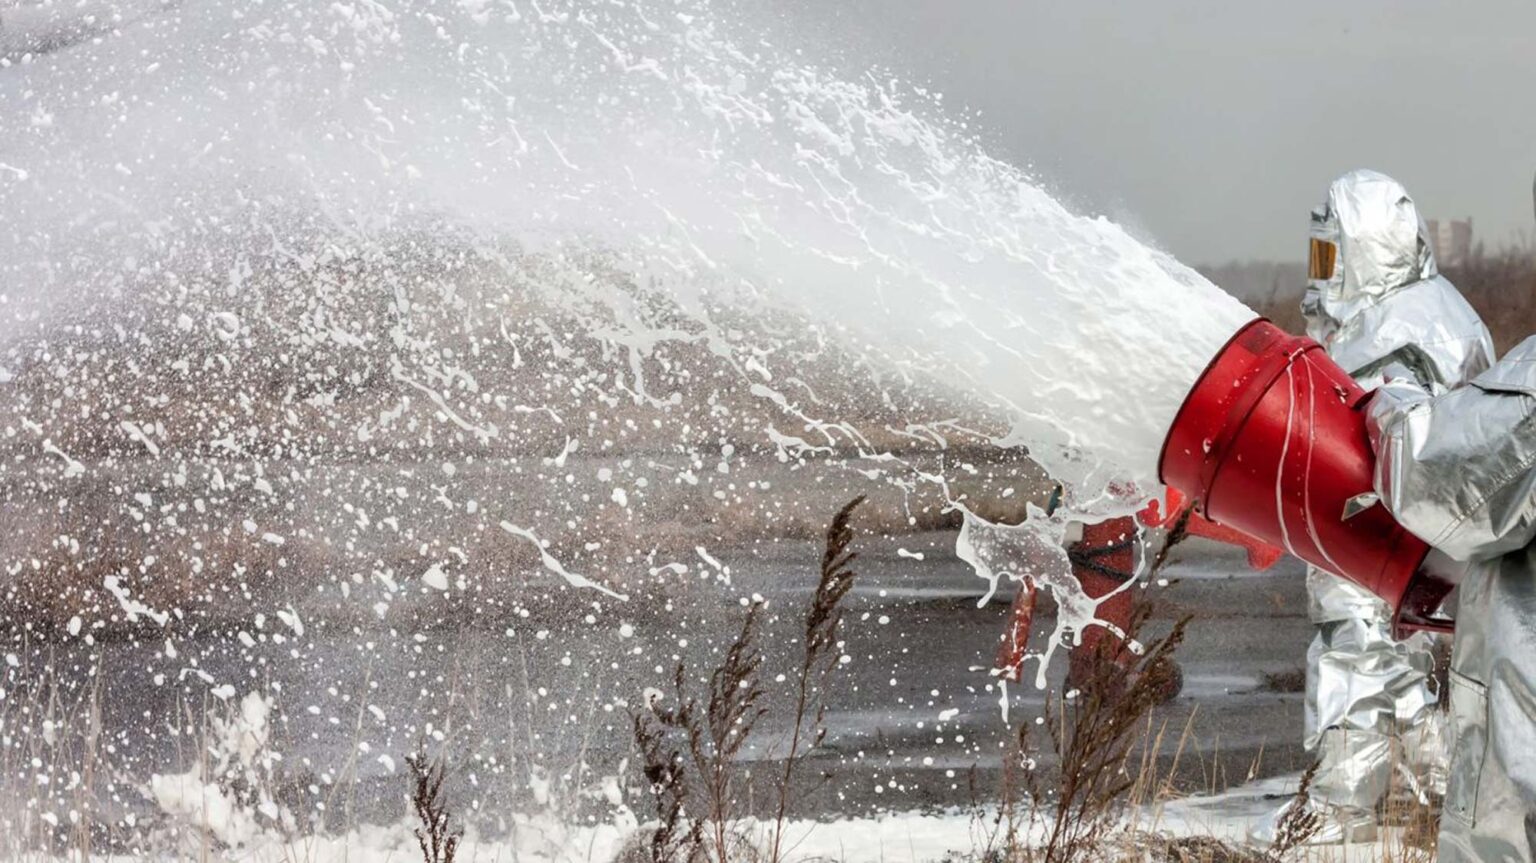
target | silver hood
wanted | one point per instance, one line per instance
(1386, 309)
(1381, 240)
(1383, 247)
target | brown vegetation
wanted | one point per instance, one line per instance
(1074, 811)
(438, 840)
(691, 756)
(346, 421)
(1500, 285)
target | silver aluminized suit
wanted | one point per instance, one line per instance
(1459, 470)
(1383, 308)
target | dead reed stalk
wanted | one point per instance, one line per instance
(437, 838)
(1091, 734)
(690, 752)
(1065, 815)
(676, 835)
(823, 625)
(713, 738)
(1300, 820)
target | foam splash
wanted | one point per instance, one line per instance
(336, 264)
(699, 160)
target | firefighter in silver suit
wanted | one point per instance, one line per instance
(1458, 469)
(1377, 303)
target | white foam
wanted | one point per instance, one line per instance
(688, 152)
(711, 161)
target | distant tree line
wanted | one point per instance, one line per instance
(1500, 284)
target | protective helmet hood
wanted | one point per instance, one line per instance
(1382, 246)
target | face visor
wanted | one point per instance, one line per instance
(1322, 267)
(1323, 256)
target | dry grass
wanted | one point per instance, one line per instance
(348, 417)
(1408, 818)
(1500, 285)
(823, 649)
(1301, 820)
(675, 836)
(437, 837)
(1107, 752)
(50, 732)
(1203, 849)
(690, 754)
(1086, 810)
(1071, 812)
(1289, 680)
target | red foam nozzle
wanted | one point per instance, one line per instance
(1271, 442)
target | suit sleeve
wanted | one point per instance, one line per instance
(1459, 469)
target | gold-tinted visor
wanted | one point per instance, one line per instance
(1322, 258)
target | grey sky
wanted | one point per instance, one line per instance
(1213, 127)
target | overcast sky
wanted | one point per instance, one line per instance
(1212, 126)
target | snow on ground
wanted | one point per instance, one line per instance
(905, 836)
(1230, 816)
(918, 837)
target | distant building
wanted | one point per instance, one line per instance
(1451, 241)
